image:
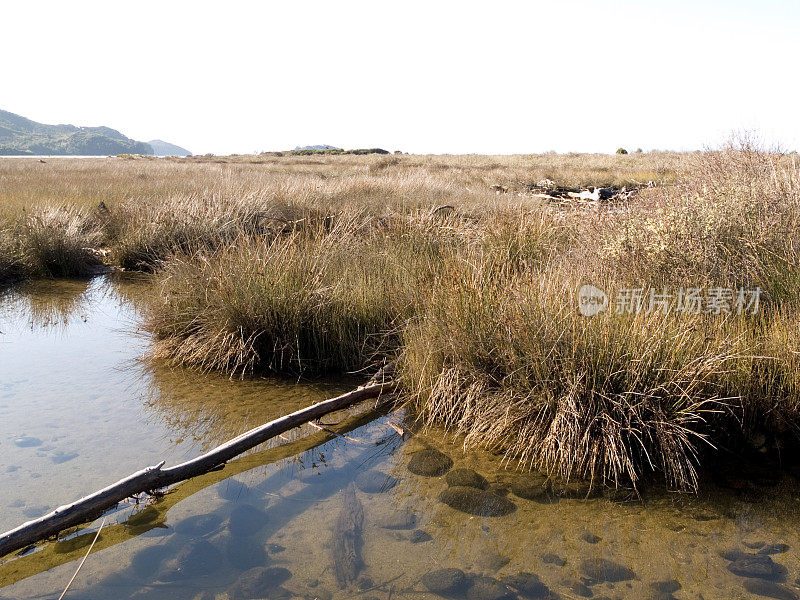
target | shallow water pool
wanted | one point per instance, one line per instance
(368, 514)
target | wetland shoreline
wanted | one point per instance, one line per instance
(320, 266)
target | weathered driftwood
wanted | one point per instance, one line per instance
(550, 190)
(155, 477)
(346, 542)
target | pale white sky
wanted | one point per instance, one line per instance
(438, 77)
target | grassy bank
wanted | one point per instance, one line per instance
(316, 265)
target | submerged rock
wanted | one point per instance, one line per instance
(147, 561)
(429, 463)
(246, 520)
(243, 553)
(491, 561)
(590, 538)
(553, 559)
(581, 589)
(374, 482)
(665, 587)
(195, 559)
(531, 487)
(466, 478)
(198, 525)
(529, 586)
(488, 588)
(732, 554)
(768, 589)
(756, 566)
(418, 536)
(260, 582)
(477, 502)
(603, 570)
(444, 582)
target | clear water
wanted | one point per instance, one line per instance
(70, 379)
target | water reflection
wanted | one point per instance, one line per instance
(79, 409)
(209, 408)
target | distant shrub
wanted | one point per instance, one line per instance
(621, 151)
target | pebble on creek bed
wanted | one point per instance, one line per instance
(429, 463)
(198, 525)
(759, 566)
(488, 588)
(769, 589)
(466, 478)
(477, 502)
(602, 570)
(529, 586)
(260, 582)
(445, 582)
(246, 520)
(195, 559)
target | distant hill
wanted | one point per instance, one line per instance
(20, 136)
(317, 147)
(162, 148)
(333, 150)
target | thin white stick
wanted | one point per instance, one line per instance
(89, 551)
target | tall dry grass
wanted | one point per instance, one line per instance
(508, 362)
(315, 265)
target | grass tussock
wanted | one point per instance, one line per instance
(325, 298)
(48, 241)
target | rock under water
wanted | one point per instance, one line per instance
(769, 589)
(429, 463)
(477, 502)
(603, 570)
(488, 588)
(445, 582)
(756, 566)
(529, 586)
(466, 478)
(246, 520)
(260, 582)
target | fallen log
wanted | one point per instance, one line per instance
(155, 477)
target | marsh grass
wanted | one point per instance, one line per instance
(322, 264)
(48, 241)
(328, 297)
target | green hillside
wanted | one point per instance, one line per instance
(21, 136)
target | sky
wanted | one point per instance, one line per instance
(423, 77)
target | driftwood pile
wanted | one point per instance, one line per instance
(548, 189)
